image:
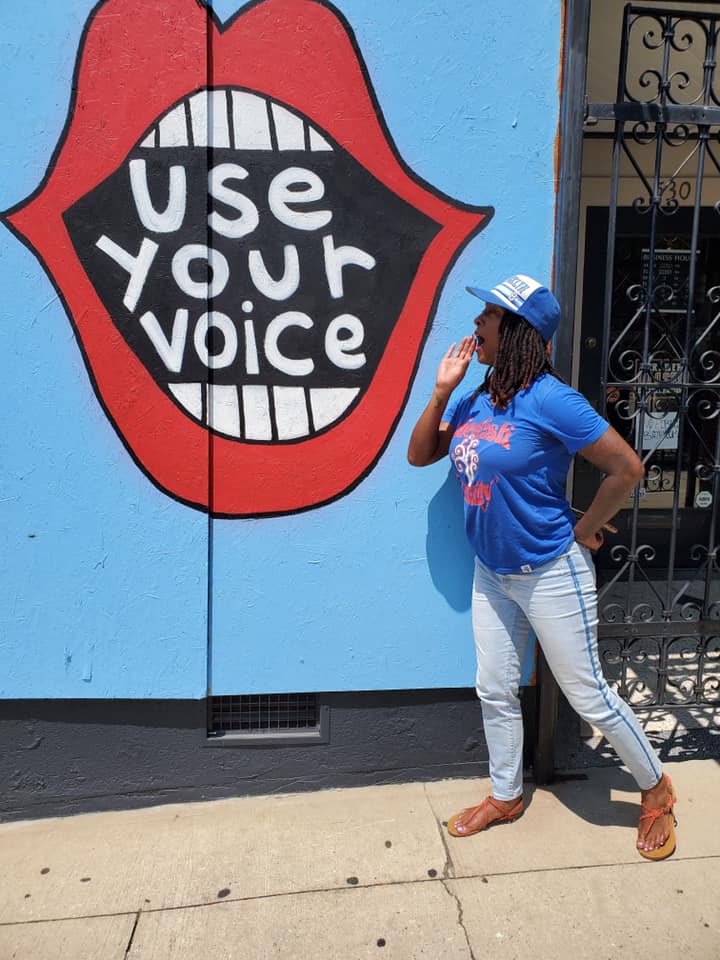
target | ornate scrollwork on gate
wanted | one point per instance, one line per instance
(654, 671)
(659, 595)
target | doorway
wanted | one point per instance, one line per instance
(647, 339)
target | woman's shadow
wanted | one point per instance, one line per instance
(450, 556)
(451, 559)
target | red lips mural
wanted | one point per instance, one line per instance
(249, 266)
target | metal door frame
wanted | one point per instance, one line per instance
(572, 115)
(665, 118)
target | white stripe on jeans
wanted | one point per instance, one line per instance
(559, 602)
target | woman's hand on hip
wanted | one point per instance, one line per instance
(453, 366)
(593, 541)
(623, 471)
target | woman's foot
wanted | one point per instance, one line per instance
(474, 819)
(656, 836)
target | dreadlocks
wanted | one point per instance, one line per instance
(522, 357)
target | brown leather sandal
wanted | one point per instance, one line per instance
(506, 816)
(650, 815)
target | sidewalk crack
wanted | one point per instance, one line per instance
(461, 918)
(449, 867)
(132, 934)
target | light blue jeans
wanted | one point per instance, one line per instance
(559, 602)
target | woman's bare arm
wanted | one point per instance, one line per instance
(430, 439)
(431, 436)
(623, 471)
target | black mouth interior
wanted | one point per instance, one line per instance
(151, 278)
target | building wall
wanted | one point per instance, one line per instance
(292, 548)
(62, 757)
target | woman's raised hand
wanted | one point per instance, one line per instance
(453, 365)
(430, 439)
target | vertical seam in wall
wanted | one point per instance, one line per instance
(557, 143)
(209, 74)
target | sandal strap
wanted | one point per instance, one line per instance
(501, 810)
(494, 804)
(657, 811)
(671, 791)
(651, 814)
(478, 807)
(667, 808)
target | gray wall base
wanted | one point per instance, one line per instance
(63, 757)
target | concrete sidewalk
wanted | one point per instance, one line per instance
(368, 872)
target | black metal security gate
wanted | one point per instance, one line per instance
(650, 358)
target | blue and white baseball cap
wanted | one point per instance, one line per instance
(528, 298)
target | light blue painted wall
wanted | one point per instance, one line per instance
(373, 591)
(105, 578)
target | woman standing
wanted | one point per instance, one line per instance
(511, 442)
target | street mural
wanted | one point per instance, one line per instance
(249, 266)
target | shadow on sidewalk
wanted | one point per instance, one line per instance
(590, 798)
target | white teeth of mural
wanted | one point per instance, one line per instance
(256, 408)
(329, 404)
(189, 395)
(289, 405)
(172, 129)
(291, 416)
(289, 129)
(209, 118)
(213, 114)
(318, 142)
(223, 409)
(251, 125)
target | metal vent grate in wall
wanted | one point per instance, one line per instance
(271, 716)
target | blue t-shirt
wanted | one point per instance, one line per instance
(512, 466)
